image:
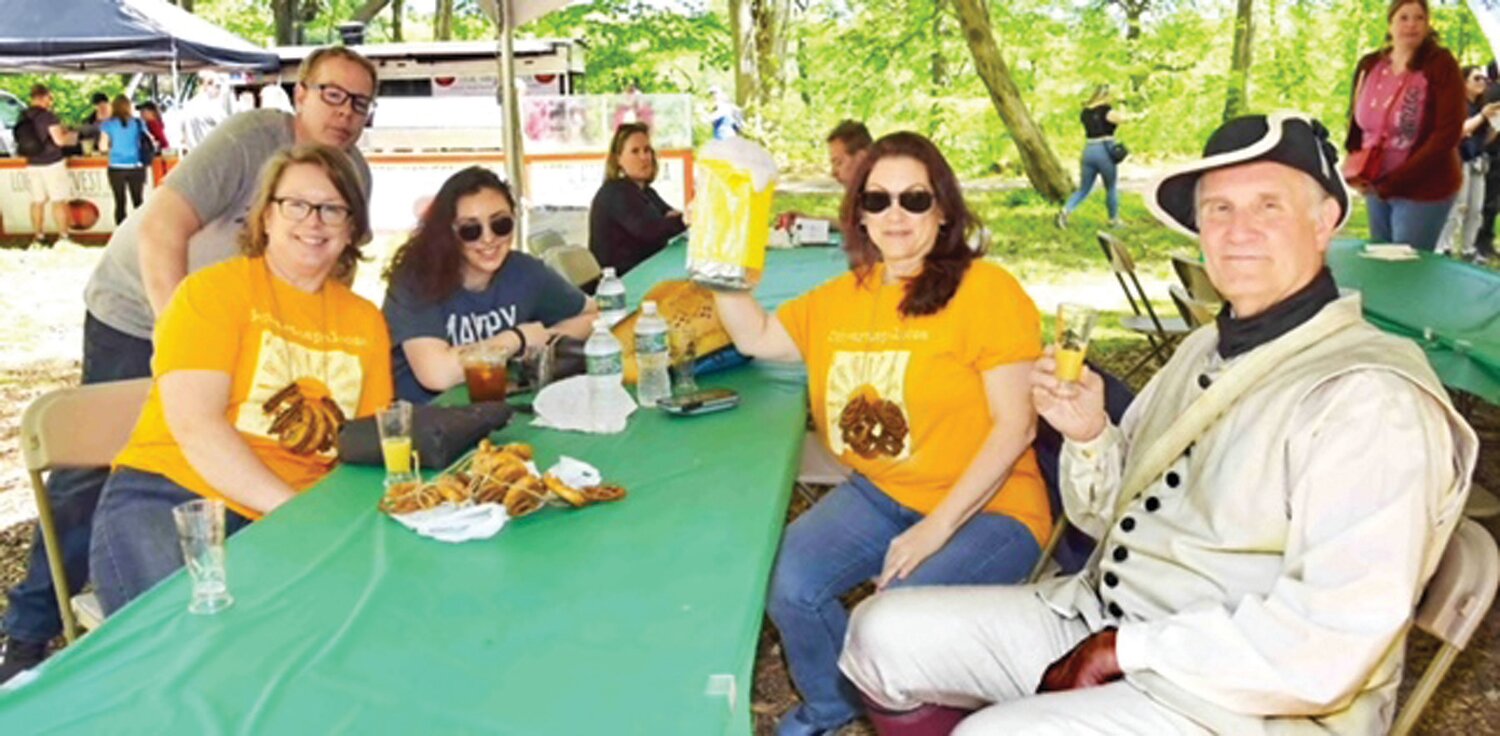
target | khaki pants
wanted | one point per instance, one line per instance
(986, 648)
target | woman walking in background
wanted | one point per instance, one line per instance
(121, 135)
(1405, 120)
(1101, 154)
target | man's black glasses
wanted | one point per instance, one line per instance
(336, 96)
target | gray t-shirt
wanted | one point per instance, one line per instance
(219, 179)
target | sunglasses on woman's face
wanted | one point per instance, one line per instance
(500, 225)
(915, 201)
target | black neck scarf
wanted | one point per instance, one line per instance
(1237, 336)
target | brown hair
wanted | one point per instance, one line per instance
(345, 178)
(119, 109)
(431, 260)
(39, 90)
(949, 259)
(852, 133)
(1395, 5)
(310, 65)
(612, 169)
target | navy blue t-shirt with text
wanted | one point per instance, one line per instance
(523, 290)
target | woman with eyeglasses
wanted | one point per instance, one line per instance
(259, 361)
(456, 282)
(628, 221)
(1406, 117)
(917, 362)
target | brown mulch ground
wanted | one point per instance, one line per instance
(1469, 701)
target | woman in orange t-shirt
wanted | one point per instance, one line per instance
(258, 361)
(918, 362)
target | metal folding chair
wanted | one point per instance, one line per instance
(1452, 608)
(820, 469)
(1194, 313)
(1161, 334)
(83, 427)
(575, 262)
(1194, 278)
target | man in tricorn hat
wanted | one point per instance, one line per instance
(1268, 511)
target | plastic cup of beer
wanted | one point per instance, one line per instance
(484, 371)
(1075, 324)
(200, 530)
(683, 352)
(394, 424)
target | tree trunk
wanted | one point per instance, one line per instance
(1042, 167)
(443, 25)
(742, 27)
(398, 8)
(284, 13)
(939, 69)
(1237, 98)
(768, 17)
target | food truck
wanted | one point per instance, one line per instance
(436, 112)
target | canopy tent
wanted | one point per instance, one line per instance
(118, 36)
(508, 15)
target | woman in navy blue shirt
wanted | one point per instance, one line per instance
(121, 136)
(456, 282)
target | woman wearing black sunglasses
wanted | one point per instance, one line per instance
(456, 282)
(628, 221)
(918, 362)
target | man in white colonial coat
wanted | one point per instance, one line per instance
(1269, 509)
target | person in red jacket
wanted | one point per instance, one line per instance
(1406, 116)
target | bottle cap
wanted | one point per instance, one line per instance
(609, 272)
(648, 307)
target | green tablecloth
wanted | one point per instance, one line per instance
(1450, 308)
(615, 619)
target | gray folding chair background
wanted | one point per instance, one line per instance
(1194, 313)
(1160, 333)
(1452, 608)
(819, 468)
(575, 262)
(82, 427)
(1194, 277)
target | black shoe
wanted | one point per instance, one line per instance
(21, 656)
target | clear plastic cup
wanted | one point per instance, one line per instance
(484, 371)
(1075, 325)
(200, 530)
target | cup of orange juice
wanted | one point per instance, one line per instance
(395, 443)
(1075, 323)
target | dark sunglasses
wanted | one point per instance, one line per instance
(469, 232)
(915, 201)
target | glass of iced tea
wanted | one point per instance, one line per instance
(1075, 323)
(484, 371)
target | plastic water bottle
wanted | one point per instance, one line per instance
(610, 295)
(606, 368)
(652, 383)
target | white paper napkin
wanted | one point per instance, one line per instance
(576, 473)
(453, 523)
(570, 405)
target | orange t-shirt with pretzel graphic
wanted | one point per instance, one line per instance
(856, 343)
(234, 317)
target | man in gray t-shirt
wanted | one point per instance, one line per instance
(193, 220)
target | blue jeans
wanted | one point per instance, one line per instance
(108, 355)
(1096, 162)
(1417, 224)
(841, 542)
(135, 538)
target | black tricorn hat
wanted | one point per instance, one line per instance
(1287, 138)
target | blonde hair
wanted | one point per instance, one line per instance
(310, 65)
(345, 178)
(1101, 93)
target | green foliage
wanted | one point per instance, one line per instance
(70, 93)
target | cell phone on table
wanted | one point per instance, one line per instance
(700, 402)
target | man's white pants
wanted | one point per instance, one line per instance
(987, 647)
